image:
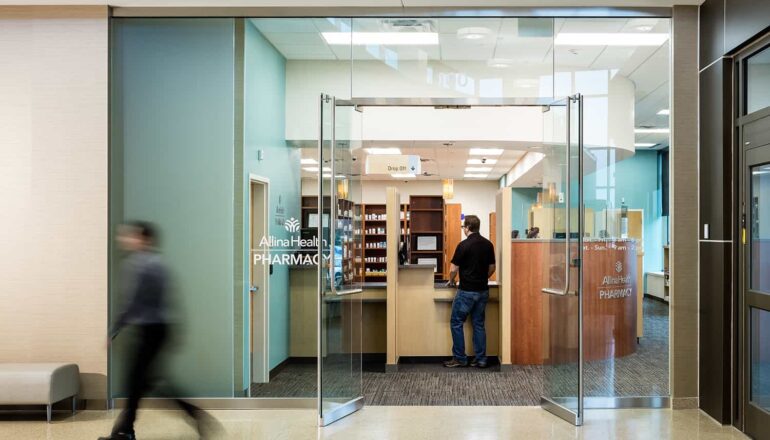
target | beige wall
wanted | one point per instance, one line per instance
(53, 187)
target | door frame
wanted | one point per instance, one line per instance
(740, 326)
(265, 297)
(752, 416)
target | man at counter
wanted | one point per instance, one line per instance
(474, 259)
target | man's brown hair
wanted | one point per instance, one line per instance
(472, 223)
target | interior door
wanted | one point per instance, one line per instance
(258, 283)
(340, 382)
(561, 235)
(756, 241)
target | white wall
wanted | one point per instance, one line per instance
(476, 197)
(53, 184)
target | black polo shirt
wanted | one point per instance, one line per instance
(473, 256)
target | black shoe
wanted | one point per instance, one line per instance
(454, 363)
(119, 436)
(478, 364)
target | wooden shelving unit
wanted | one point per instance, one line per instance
(427, 221)
(373, 223)
(347, 215)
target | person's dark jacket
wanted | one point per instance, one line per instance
(145, 286)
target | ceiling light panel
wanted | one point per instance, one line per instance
(308, 161)
(403, 176)
(485, 151)
(478, 169)
(482, 161)
(381, 38)
(383, 151)
(610, 39)
(475, 176)
(664, 112)
(645, 144)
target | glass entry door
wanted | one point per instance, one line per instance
(340, 382)
(756, 240)
(558, 219)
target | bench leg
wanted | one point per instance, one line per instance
(48, 412)
(74, 404)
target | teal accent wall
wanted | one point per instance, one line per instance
(522, 199)
(265, 130)
(172, 163)
(637, 180)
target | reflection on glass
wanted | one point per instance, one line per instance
(340, 294)
(621, 67)
(760, 358)
(452, 57)
(758, 81)
(760, 228)
(561, 372)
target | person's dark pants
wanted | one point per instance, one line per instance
(140, 375)
(474, 304)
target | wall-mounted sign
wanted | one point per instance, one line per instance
(393, 164)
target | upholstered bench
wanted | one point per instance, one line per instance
(38, 384)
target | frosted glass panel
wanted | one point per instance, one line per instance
(172, 156)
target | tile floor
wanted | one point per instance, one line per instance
(386, 422)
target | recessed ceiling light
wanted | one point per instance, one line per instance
(482, 161)
(478, 169)
(473, 33)
(664, 112)
(383, 151)
(485, 151)
(500, 63)
(384, 38)
(645, 144)
(403, 176)
(475, 176)
(308, 161)
(609, 39)
(651, 130)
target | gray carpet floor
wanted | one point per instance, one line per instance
(644, 373)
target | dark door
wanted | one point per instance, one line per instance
(756, 275)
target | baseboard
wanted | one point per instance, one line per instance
(278, 368)
(656, 298)
(684, 403)
(63, 405)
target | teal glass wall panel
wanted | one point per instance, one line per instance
(635, 179)
(265, 132)
(172, 162)
(521, 200)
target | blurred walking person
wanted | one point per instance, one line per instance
(145, 286)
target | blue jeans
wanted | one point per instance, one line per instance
(465, 303)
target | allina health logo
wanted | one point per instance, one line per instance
(292, 251)
(291, 225)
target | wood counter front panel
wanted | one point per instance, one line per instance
(609, 323)
(544, 327)
(526, 304)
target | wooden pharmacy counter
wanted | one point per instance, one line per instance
(544, 327)
(303, 314)
(423, 309)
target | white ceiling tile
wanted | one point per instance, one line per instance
(306, 38)
(452, 25)
(284, 25)
(582, 57)
(592, 25)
